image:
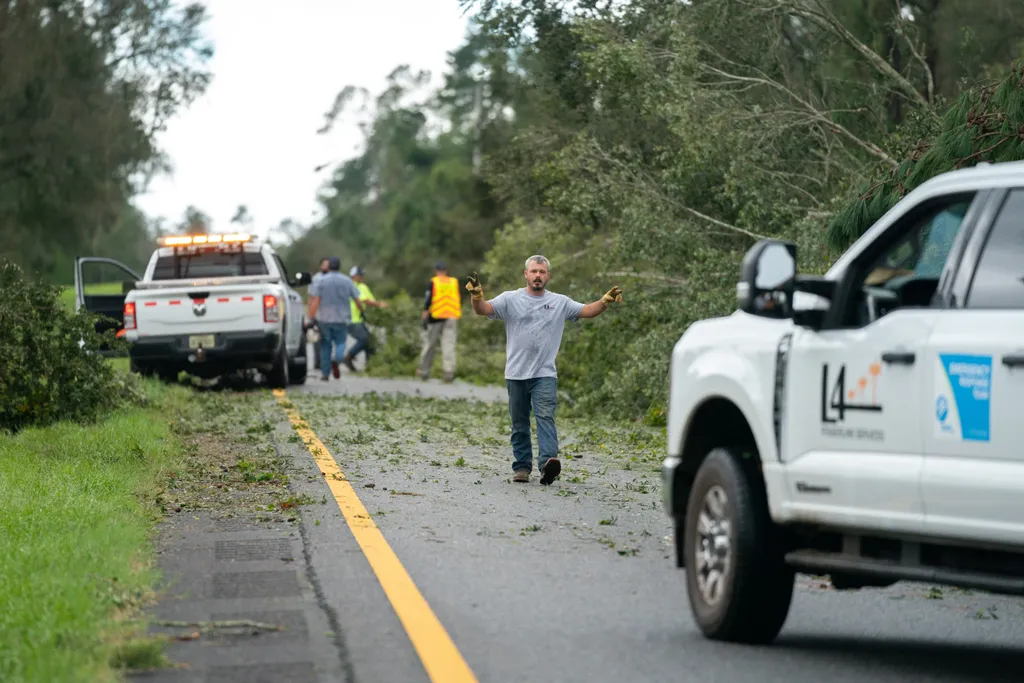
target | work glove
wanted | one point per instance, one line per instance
(474, 287)
(613, 295)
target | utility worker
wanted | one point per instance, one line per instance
(534, 318)
(357, 328)
(441, 310)
(329, 306)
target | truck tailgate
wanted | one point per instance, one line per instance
(199, 310)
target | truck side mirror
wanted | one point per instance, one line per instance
(301, 279)
(767, 276)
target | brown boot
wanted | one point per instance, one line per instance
(347, 360)
(522, 476)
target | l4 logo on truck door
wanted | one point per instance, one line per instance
(836, 398)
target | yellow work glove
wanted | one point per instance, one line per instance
(474, 288)
(613, 295)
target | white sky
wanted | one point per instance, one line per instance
(251, 139)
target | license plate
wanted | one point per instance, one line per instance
(204, 340)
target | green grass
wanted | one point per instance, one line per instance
(67, 295)
(75, 563)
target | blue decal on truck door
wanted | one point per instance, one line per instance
(963, 393)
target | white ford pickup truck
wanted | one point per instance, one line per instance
(867, 424)
(208, 305)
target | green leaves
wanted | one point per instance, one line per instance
(45, 376)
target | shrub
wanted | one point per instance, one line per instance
(480, 344)
(49, 366)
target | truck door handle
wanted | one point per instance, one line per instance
(898, 357)
(1012, 360)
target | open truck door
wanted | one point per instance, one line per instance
(101, 286)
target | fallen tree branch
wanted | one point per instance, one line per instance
(647, 186)
(208, 626)
(824, 18)
(644, 276)
(808, 108)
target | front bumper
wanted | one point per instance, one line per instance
(232, 348)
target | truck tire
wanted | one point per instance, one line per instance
(139, 368)
(278, 375)
(738, 584)
(297, 369)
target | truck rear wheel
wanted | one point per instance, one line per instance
(278, 375)
(738, 584)
(298, 369)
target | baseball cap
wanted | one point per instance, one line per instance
(356, 270)
(334, 263)
(440, 265)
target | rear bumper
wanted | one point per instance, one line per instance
(230, 348)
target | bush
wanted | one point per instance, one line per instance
(479, 352)
(49, 368)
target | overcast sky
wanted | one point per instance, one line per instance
(251, 139)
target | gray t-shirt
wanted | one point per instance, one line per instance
(335, 290)
(533, 330)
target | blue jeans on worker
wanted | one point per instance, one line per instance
(331, 335)
(541, 395)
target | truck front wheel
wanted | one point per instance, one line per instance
(738, 584)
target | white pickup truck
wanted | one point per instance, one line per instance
(208, 305)
(866, 424)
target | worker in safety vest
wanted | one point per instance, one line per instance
(357, 328)
(441, 311)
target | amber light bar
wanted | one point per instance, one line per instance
(199, 240)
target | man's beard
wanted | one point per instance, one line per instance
(537, 285)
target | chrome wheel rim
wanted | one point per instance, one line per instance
(713, 552)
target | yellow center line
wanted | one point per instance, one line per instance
(441, 659)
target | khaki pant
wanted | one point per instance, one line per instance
(443, 331)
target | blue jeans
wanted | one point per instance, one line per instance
(331, 334)
(362, 337)
(540, 394)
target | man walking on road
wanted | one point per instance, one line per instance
(358, 327)
(441, 312)
(534, 321)
(329, 297)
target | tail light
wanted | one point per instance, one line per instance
(129, 315)
(271, 309)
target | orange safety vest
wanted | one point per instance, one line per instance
(444, 298)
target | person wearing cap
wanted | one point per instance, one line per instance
(329, 306)
(442, 309)
(358, 328)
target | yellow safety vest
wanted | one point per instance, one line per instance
(364, 295)
(444, 298)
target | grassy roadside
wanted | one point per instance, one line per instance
(75, 559)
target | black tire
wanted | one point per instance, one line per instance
(298, 369)
(166, 375)
(139, 368)
(756, 586)
(278, 376)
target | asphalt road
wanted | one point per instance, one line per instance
(531, 585)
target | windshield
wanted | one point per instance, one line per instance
(209, 264)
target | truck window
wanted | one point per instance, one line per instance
(999, 280)
(923, 251)
(905, 269)
(209, 264)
